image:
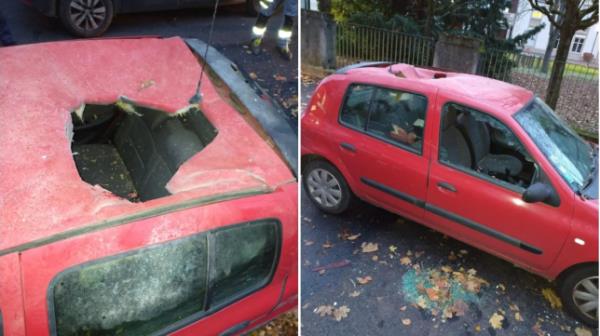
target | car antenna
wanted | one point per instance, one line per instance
(198, 96)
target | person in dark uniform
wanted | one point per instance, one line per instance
(268, 7)
(6, 38)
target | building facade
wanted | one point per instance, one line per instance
(583, 48)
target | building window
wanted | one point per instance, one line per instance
(577, 44)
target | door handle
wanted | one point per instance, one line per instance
(348, 147)
(447, 186)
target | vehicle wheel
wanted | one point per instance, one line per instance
(252, 7)
(86, 18)
(579, 294)
(326, 187)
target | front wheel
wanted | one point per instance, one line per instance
(326, 187)
(86, 18)
(579, 294)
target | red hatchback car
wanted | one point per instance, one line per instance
(139, 215)
(480, 160)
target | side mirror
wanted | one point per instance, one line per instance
(537, 192)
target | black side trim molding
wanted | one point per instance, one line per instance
(453, 217)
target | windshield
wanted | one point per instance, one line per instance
(571, 156)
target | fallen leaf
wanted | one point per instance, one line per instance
(551, 297)
(365, 280)
(374, 258)
(405, 261)
(146, 84)
(432, 294)
(321, 272)
(421, 302)
(324, 310)
(452, 256)
(406, 322)
(354, 294)
(409, 253)
(327, 245)
(501, 287)
(446, 269)
(419, 253)
(537, 329)
(341, 313)
(253, 75)
(477, 328)
(518, 317)
(353, 237)
(582, 332)
(513, 307)
(280, 78)
(403, 308)
(447, 313)
(392, 248)
(496, 321)
(369, 247)
(308, 242)
(463, 252)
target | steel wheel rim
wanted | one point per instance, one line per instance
(87, 14)
(324, 188)
(585, 297)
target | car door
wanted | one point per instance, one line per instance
(382, 145)
(210, 270)
(482, 208)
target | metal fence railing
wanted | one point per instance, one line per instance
(578, 99)
(578, 102)
(356, 43)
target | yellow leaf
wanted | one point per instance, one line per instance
(369, 247)
(393, 248)
(406, 322)
(446, 269)
(551, 297)
(374, 258)
(496, 321)
(518, 317)
(341, 313)
(421, 302)
(478, 328)
(405, 261)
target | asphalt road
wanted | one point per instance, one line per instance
(385, 305)
(231, 33)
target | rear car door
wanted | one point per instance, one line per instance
(482, 204)
(211, 270)
(382, 145)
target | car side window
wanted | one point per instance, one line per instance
(398, 117)
(355, 111)
(480, 144)
(144, 291)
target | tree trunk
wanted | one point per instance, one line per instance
(562, 53)
(429, 18)
(549, 48)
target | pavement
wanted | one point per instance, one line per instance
(505, 300)
(231, 34)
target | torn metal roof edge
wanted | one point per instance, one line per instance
(266, 112)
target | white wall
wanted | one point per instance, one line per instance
(526, 18)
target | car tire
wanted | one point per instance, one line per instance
(77, 17)
(252, 7)
(326, 187)
(580, 287)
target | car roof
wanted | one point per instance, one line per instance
(41, 193)
(497, 96)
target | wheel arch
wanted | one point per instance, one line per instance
(307, 158)
(54, 6)
(572, 268)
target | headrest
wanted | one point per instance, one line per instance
(449, 116)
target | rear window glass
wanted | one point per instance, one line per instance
(355, 111)
(150, 289)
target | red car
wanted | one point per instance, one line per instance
(480, 160)
(126, 210)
